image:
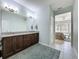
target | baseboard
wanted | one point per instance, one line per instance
(76, 54)
(44, 44)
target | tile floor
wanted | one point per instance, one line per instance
(65, 48)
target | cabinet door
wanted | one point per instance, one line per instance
(26, 41)
(18, 41)
(30, 39)
(37, 37)
(8, 48)
(34, 38)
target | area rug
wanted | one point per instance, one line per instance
(37, 51)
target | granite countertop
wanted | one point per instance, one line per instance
(7, 34)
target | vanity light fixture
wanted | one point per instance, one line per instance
(10, 8)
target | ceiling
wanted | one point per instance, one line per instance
(55, 4)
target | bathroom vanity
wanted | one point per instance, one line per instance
(18, 41)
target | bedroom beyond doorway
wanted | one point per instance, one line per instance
(63, 27)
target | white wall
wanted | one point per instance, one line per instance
(43, 20)
(0, 19)
(52, 27)
(31, 20)
(75, 26)
(52, 31)
(12, 22)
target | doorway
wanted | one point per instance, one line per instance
(63, 27)
(63, 35)
(62, 30)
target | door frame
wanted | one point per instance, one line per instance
(71, 26)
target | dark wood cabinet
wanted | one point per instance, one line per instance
(30, 39)
(33, 38)
(8, 46)
(26, 41)
(18, 43)
(14, 44)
